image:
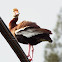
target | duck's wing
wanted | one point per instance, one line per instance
(31, 31)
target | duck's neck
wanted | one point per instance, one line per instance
(12, 23)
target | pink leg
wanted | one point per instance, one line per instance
(29, 50)
(32, 51)
(29, 53)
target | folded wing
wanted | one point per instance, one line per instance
(30, 31)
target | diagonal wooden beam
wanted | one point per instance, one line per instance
(12, 42)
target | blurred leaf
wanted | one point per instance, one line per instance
(52, 51)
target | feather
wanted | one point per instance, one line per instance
(27, 32)
(30, 31)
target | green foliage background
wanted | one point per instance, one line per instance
(53, 52)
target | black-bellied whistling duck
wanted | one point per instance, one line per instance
(28, 32)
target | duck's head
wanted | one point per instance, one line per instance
(15, 12)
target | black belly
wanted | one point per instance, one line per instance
(33, 40)
(25, 40)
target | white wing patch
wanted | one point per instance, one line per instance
(27, 33)
(20, 29)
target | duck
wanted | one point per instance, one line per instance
(27, 32)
